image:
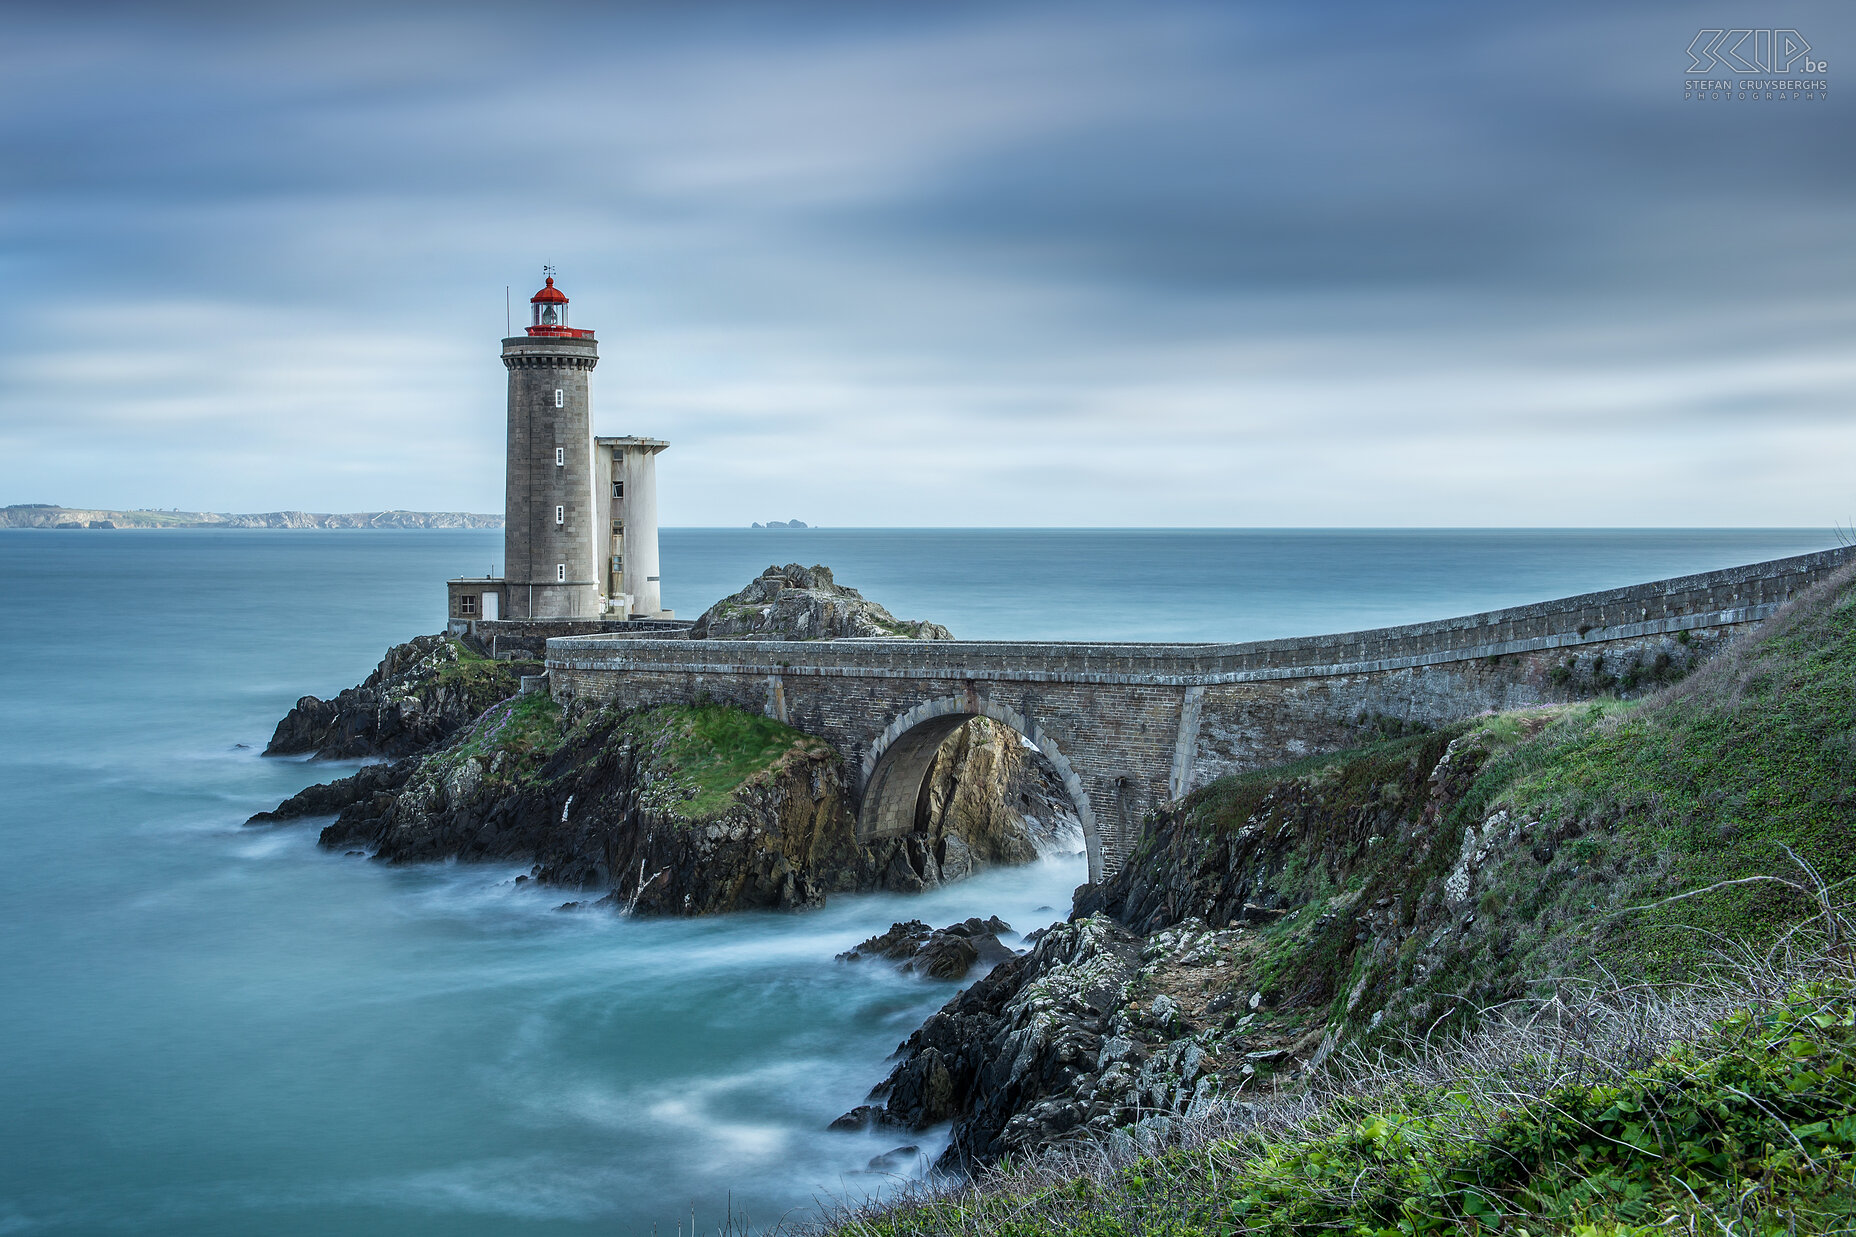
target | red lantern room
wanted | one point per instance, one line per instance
(548, 314)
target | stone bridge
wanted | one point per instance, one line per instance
(1132, 727)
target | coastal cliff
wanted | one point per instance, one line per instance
(416, 698)
(49, 516)
(667, 811)
(1371, 899)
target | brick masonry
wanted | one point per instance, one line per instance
(1131, 727)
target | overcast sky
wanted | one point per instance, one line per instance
(885, 264)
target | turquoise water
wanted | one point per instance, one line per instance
(211, 1029)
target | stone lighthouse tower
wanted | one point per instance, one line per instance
(579, 512)
(551, 546)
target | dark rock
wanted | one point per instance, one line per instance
(944, 953)
(898, 944)
(862, 1117)
(943, 956)
(922, 1090)
(898, 1159)
(416, 698)
(977, 1060)
(329, 798)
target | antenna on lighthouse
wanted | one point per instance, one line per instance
(509, 322)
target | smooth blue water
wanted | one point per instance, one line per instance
(209, 1029)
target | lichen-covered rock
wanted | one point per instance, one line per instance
(805, 603)
(417, 697)
(1097, 1032)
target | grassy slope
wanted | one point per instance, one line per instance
(710, 752)
(1745, 1129)
(523, 730)
(1618, 807)
(1703, 784)
(701, 756)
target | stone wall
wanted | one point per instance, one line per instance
(1131, 726)
(526, 639)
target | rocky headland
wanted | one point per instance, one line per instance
(673, 810)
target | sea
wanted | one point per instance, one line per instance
(208, 1028)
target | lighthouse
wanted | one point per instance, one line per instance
(550, 563)
(579, 513)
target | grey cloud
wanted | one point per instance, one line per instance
(939, 264)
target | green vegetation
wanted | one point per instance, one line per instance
(1743, 1128)
(484, 680)
(1607, 832)
(711, 751)
(524, 730)
(1710, 782)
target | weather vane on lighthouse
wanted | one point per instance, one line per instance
(547, 271)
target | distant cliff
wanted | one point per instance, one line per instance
(44, 515)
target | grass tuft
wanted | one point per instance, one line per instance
(713, 751)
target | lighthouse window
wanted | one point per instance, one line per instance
(618, 489)
(560, 456)
(560, 515)
(560, 573)
(560, 398)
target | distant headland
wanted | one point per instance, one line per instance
(46, 515)
(782, 524)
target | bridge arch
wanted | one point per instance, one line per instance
(896, 767)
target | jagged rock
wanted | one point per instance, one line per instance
(603, 806)
(946, 953)
(898, 1159)
(805, 603)
(862, 1118)
(897, 944)
(1003, 1058)
(373, 784)
(415, 699)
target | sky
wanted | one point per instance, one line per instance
(1142, 264)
